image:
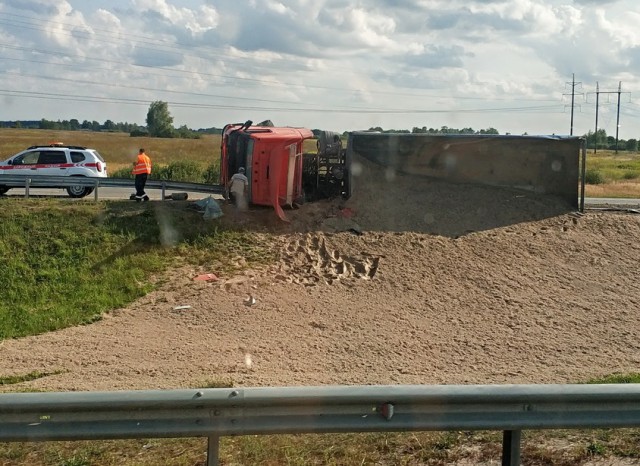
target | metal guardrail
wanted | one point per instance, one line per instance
(44, 181)
(220, 412)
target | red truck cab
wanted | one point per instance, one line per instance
(272, 158)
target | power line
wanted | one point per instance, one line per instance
(168, 91)
(87, 98)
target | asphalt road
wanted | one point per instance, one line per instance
(609, 201)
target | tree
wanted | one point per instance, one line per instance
(600, 139)
(632, 145)
(489, 131)
(159, 120)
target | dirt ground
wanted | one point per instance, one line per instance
(409, 282)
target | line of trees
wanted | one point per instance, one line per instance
(160, 124)
(72, 125)
(600, 140)
(441, 130)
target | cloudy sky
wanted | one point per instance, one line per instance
(329, 64)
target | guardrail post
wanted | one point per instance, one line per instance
(511, 447)
(213, 450)
(27, 183)
(163, 188)
(95, 198)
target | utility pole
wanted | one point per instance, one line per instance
(573, 84)
(618, 119)
(595, 135)
(597, 93)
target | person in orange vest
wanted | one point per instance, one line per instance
(141, 170)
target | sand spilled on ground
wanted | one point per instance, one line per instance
(426, 283)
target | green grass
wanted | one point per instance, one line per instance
(15, 379)
(610, 167)
(618, 378)
(66, 264)
(558, 448)
(182, 170)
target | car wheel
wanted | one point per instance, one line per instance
(3, 189)
(79, 191)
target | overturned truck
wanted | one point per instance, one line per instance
(281, 174)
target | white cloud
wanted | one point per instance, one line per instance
(413, 54)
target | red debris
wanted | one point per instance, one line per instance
(207, 277)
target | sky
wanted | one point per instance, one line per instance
(329, 64)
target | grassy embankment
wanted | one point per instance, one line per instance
(67, 263)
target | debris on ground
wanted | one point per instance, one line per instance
(181, 308)
(206, 277)
(209, 207)
(340, 224)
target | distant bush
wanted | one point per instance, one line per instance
(122, 173)
(212, 174)
(630, 175)
(182, 170)
(593, 177)
(185, 171)
(138, 134)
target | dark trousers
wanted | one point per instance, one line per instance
(141, 180)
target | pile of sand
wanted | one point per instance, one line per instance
(442, 283)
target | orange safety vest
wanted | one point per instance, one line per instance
(143, 165)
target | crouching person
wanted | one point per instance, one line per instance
(239, 189)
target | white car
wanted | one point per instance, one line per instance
(58, 160)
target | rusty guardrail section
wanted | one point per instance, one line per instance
(283, 410)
